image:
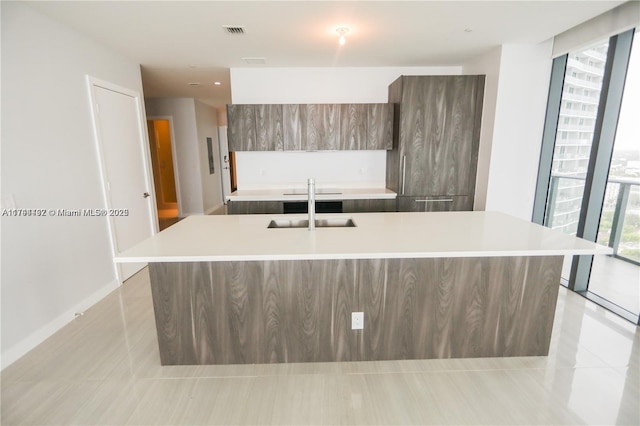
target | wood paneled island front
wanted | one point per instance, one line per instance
(228, 290)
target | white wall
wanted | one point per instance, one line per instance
(207, 127)
(51, 266)
(330, 169)
(488, 64)
(318, 85)
(520, 98)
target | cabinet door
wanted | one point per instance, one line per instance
(368, 206)
(323, 127)
(438, 143)
(379, 126)
(435, 204)
(353, 126)
(269, 132)
(254, 207)
(294, 123)
(311, 127)
(241, 127)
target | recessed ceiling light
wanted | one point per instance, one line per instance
(217, 83)
(194, 84)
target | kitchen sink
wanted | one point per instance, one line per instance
(339, 222)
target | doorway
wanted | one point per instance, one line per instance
(119, 133)
(162, 163)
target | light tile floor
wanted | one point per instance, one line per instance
(617, 281)
(104, 368)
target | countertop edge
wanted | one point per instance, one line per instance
(358, 256)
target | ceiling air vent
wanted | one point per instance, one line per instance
(234, 29)
(255, 60)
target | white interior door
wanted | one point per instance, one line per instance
(224, 159)
(125, 168)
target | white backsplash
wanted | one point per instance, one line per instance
(330, 169)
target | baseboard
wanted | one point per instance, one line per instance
(18, 350)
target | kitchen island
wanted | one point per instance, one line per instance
(230, 290)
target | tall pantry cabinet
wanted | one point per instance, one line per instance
(434, 160)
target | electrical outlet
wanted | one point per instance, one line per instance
(357, 320)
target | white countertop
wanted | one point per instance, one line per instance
(377, 235)
(300, 194)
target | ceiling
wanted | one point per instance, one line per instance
(181, 42)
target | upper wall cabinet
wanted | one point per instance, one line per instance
(269, 129)
(310, 127)
(255, 128)
(353, 126)
(379, 126)
(241, 127)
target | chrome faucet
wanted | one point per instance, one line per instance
(311, 195)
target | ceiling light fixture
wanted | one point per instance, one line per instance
(342, 31)
(217, 83)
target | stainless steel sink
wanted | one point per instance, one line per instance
(337, 222)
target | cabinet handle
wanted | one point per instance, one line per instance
(439, 200)
(404, 171)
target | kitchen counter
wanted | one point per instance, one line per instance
(376, 235)
(300, 194)
(228, 290)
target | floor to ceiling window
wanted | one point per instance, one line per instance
(616, 278)
(589, 179)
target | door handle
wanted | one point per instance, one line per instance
(437, 200)
(146, 195)
(404, 171)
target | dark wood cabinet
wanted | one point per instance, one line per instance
(255, 127)
(241, 127)
(435, 204)
(269, 128)
(276, 311)
(369, 206)
(379, 127)
(438, 132)
(254, 207)
(310, 127)
(353, 126)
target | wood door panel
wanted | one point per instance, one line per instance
(353, 126)
(323, 127)
(269, 128)
(294, 118)
(380, 126)
(438, 134)
(435, 204)
(254, 207)
(241, 127)
(368, 206)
